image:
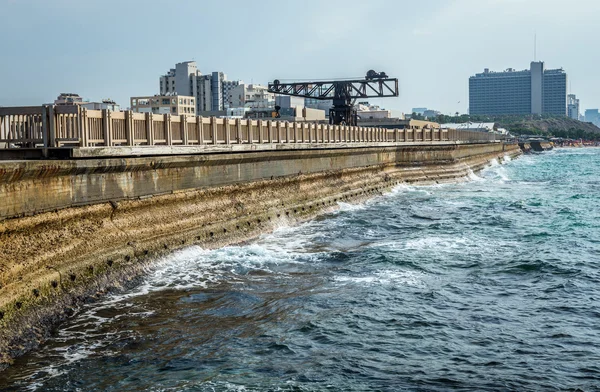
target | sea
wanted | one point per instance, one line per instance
(490, 284)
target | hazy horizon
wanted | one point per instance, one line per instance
(116, 50)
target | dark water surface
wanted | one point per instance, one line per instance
(493, 284)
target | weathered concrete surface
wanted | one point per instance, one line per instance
(525, 147)
(127, 151)
(540, 146)
(87, 225)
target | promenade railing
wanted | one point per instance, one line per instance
(76, 127)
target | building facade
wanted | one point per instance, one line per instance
(211, 91)
(592, 116)
(573, 107)
(364, 110)
(533, 91)
(106, 104)
(67, 99)
(164, 104)
(251, 96)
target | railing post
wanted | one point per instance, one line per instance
(129, 128)
(270, 131)
(149, 129)
(238, 130)
(227, 129)
(250, 132)
(200, 122)
(295, 132)
(168, 128)
(50, 126)
(213, 129)
(44, 130)
(83, 128)
(287, 131)
(184, 130)
(278, 127)
(260, 131)
(107, 127)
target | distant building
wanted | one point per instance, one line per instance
(106, 104)
(288, 101)
(68, 99)
(592, 116)
(366, 111)
(211, 91)
(164, 104)
(573, 106)
(533, 91)
(419, 111)
(320, 104)
(430, 113)
(294, 113)
(251, 96)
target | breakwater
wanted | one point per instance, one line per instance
(72, 229)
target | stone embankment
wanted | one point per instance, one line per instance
(73, 229)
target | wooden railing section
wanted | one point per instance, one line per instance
(76, 127)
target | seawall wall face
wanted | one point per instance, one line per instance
(30, 187)
(71, 229)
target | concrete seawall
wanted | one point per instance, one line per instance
(72, 229)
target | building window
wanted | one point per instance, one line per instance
(174, 110)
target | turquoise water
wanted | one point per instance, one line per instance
(487, 285)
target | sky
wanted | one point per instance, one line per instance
(118, 49)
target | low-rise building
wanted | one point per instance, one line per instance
(164, 104)
(251, 96)
(68, 99)
(364, 110)
(287, 114)
(106, 104)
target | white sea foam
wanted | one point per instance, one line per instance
(385, 277)
(344, 207)
(473, 177)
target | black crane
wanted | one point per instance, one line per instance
(341, 92)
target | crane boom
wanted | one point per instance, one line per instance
(353, 89)
(341, 92)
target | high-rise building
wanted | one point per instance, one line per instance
(592, 116)
(533, 91)
(573, 106)
(211, 91)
